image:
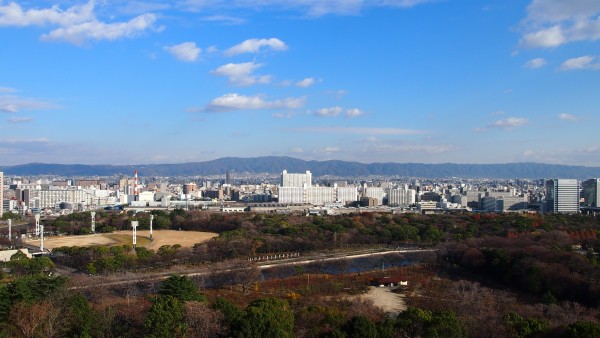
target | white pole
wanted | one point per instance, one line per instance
(42, 238)
(10, 229)
(134, 225)
(151, 219)
(93, 213)
(37, 224)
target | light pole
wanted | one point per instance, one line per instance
(37, 224)
(42, 238)
(93, 213)
(134, 225)
(151, 219)
(10, 229)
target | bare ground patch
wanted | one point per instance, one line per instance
(160, 238)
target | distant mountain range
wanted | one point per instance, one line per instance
(276, 164)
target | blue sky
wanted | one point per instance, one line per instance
(433, 81)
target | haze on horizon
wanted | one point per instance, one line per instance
(424, 81)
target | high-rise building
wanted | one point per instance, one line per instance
(296, 180)
(591, 192)
(562, 196)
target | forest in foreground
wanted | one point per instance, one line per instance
(493, 275)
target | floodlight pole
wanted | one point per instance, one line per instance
(93, 213)
(10, 229)
(42, 238)
(134, 225)
(37, 224)
(151, 219)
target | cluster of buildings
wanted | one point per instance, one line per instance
(298, 191)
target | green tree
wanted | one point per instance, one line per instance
(166, 318)
(360, 327)
(583, 329)
(444, 324)
(266, 318)
(520, 327)
(182, 288)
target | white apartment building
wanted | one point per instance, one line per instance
(346, 195)
(1, 193)
(401, 196)
(375, 192)
(320, 195)
(53, 197)
(292, 195)
(296, 180)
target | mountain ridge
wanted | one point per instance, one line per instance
(276, 164)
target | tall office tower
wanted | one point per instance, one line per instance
(562, 196)
(296, 180)
(591, 192)
(1, 193)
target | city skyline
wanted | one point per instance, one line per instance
(426, 81)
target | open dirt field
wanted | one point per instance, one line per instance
(385, 299)
(160, 238)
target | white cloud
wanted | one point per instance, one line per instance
(187, 51)
(568, 117)
(361, 130)
(255, 45)
(355, 112)
(20, 119)
(241, 74)
(328, 112)
(510, 122)
(76, 24)
(408, 148)
(582, 62)
(536, 63)
(586, 156)
(309, 81)
(329, 150)
(552, 23)
(14, 15)
(297, 150)
(97, 30)
(234, 101)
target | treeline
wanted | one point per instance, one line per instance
(543, 264)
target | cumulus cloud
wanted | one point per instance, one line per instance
(187, 51)
(234, 101)
(355, 112)
(309, 81)
(582, 62)
(552, 23)
(535, 63)
(241, 74)
(361, 130)
(98, 30)
(328, 112)
(256, 45)
(76, 24)
(568, 117)
(14, 15)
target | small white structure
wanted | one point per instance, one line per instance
(134, 225)
(93, 213)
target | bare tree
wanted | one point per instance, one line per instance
(202, 321)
